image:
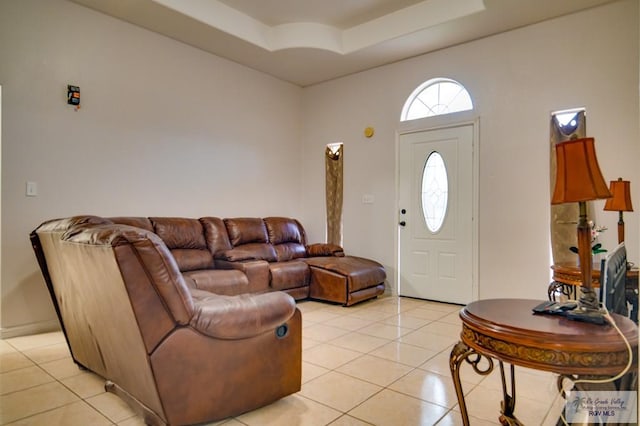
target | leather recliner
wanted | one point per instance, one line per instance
(178, 354)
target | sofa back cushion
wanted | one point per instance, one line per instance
(245, 230)
(215, 234)
(287, 237)
(249, 239)
(186, 240)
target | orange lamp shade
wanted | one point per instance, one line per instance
(621, 200)
(578, 175)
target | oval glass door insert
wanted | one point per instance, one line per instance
(435, 191)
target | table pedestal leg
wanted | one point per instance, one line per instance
(508, 406)
(461, 352)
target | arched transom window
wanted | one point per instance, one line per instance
(436, 97)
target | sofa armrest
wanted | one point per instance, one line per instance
(240, 317)
(257, 272)
(324, 249)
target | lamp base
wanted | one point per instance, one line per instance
(586, 315)
(588, 309)
(588, 299)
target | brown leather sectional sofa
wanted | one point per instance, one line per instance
(192, 320)
(252, 255)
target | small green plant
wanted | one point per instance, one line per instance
(596, 248)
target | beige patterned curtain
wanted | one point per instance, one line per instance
(333, 192)
(564, 217)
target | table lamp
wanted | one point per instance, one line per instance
(578, 180)
(620, 202)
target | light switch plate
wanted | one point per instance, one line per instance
(368, 199)
(32, 189)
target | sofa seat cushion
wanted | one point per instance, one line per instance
(240, 317)
(358, 273)
(228, 282)
(286, 275)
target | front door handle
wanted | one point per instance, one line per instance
(402, 223)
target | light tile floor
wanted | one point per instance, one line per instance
(381, 362)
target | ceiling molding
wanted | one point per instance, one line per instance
(405, 21)
(313, 35)
(222, 17)
(309, 41)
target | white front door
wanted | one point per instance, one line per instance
(436, 214)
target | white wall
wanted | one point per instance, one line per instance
(516, 80)
(163, 129)
(166, 129)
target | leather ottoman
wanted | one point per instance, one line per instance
(345, 280)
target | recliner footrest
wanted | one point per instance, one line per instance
(346, 280)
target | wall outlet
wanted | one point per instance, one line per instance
(368, 199)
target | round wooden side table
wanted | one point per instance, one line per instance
(508, 331)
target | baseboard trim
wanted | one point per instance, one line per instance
(29, 329)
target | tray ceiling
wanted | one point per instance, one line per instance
(309, 41)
